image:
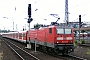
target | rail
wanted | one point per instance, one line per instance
(24, 55)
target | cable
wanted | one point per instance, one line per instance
(76, 6)
(39, 1)
(81, 16)
(80, 4)
(8, 3)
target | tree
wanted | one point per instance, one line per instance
(82, 31)
(37, 26)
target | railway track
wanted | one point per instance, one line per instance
(66, 57)
(85, 45)
(70, 57)
(24, 55)
(75, 57)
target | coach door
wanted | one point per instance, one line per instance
(51, 36)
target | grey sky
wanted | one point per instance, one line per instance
(45, 7)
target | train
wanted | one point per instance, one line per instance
(54, 39)
(82, 35)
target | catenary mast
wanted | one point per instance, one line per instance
(66, 12)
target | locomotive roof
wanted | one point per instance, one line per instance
(14, 32)
(58, 26)
(22, 31)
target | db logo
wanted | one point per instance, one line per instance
(64, 41)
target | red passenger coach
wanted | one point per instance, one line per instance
(20, 35)
(56, 38)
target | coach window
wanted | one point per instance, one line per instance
(24, 35)
(50, 30)
(20, 35)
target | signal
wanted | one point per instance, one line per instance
(80, 21)
(29, 10)
(79, 18)
(30, 20)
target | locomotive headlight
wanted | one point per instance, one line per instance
(59, 38)
(57, 42)
(69, 38)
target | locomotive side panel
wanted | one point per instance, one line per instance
(41, 35)
(33, 35)
(50, 33)
(46, 37)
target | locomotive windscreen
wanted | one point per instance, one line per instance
(64, 31)
(60, 31)
(68, 31)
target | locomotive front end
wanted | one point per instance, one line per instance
(64, 42)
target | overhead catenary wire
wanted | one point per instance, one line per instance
(40, 0)
(48, 14)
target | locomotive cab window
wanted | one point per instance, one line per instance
(68, 31)
(60, 31)
(64, 31)
(50, 30)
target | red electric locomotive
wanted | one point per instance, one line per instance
(54, 39)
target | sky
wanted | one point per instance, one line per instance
(45, 8)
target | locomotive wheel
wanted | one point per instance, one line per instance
(44, 49)
(54, 53)
(49, 50)
(64, 52)
(40, 48)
